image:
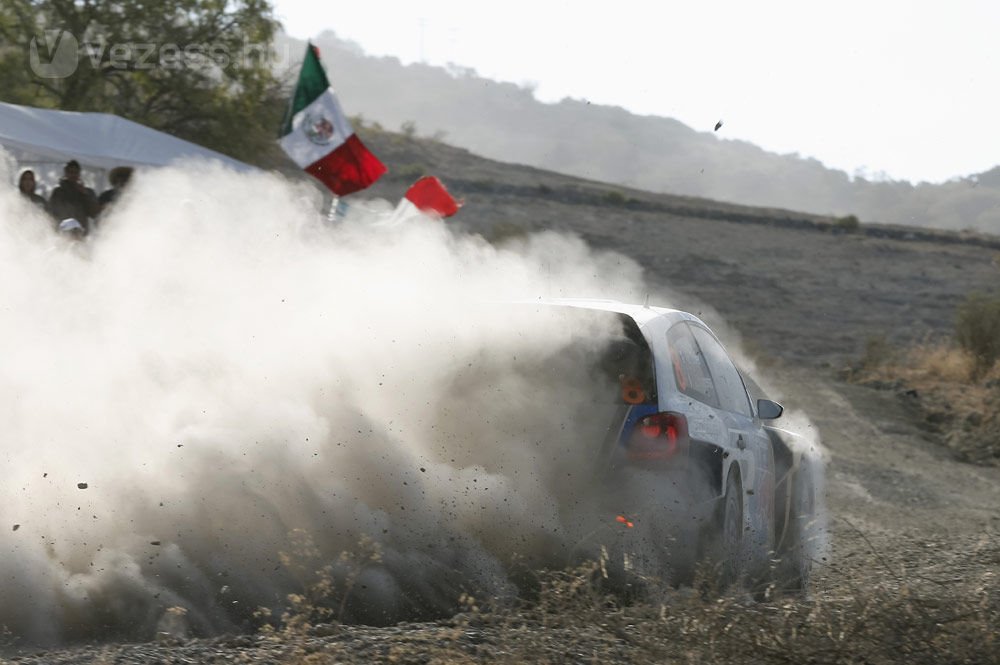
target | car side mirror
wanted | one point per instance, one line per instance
(768, 410)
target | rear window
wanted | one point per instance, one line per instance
(627, 363)
(607, 347)
(690, 369)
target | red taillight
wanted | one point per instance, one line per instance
(651, 430)
(658, 437)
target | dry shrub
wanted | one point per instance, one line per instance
(848, 223)
(977, 330)
(953, 393)
(326, 587)
(944, 364)
(925, 365)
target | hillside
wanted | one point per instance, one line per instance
(504, 121)
(799, 286)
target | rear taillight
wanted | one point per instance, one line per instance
(659, 436)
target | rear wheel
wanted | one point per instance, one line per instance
(727, 548)
(734, 559)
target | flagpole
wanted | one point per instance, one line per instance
(331, 215)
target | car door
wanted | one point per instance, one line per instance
(732, 395)
(698, 399)
(754, 454)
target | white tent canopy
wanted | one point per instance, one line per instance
(45, 139)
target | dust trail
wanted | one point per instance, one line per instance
(220, 368)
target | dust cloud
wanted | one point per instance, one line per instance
(221, 368)
(220, 379)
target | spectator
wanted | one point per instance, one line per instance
(26, 183)
(118, 177)
(72, 199)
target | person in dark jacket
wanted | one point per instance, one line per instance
(73, 199)
(27, 185)
(119, 177)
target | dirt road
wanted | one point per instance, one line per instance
(898, 501)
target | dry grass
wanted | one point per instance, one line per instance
(912, 601)
(901, 617)
(574, 622)
(925, 364)
(954, 394)
(326, 588)
(977, 330)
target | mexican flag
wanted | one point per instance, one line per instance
(318, 137)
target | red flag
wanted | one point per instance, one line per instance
(429, 195)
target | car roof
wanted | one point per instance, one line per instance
(641, 314)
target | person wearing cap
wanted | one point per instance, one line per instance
(26, 184)
(72, 199)
(72, 229)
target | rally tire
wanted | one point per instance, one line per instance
(727, 545)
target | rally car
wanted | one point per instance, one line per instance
(695, 466)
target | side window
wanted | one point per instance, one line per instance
(690, 369)
(732, 393)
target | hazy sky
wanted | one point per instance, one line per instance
(907, 87)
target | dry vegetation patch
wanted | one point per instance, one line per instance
(951, 396)
(904, 616)
(955, 384)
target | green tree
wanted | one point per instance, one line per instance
(198, 69)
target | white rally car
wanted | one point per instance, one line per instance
(694, 464)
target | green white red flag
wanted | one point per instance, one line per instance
(318, 137)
